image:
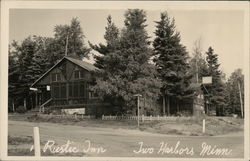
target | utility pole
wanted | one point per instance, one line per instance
(138, 108)
(66, 46)
(197, 76)
(241, 104)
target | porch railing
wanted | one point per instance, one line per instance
(41, 109)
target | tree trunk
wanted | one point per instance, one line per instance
(13, 105)
(178, 106)
(24, 104)
(217, 111)
(168, 105)
(164, 107)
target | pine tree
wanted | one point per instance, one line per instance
(235, 88)
(28, 49)
(21, 72)
(136, 52)
(126, 63)
(112, 43)
(216, 91)
(13, 76)
(171, 61)
(40, 61)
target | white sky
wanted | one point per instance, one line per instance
(223, 30)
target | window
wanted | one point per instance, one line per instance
(93, 95)
(82, 74)
(70, 89)
(56, 91)
(77, 89)
(63, 90)
(56, 77)
(79, 74)
(81, 90)
(59, 90)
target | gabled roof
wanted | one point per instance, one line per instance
(83, 64)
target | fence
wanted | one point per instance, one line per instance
(67, 116)
(110, 117)
(144, 118)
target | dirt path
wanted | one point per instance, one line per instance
(120, 142)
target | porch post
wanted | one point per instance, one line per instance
(36, 99)
(67, 91)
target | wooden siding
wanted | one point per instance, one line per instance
(69, 89)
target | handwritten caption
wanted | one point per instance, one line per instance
(69, 147)
(177, 149)
(163, 149)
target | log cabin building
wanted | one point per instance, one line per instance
(67, 85)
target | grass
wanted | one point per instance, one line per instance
(191, 126)
(20, 146)
(14, 140)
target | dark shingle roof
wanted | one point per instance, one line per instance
(83, 64)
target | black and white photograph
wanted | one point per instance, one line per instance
(125, 79)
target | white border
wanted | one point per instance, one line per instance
(158, 5)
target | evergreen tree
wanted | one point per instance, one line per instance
(112, 43)
(14, 74)
(140, 75)
(40, 61)
(27, 51)
(171, 61)
(20, 71)
(235, 90)
(216, 91)
(126, 65)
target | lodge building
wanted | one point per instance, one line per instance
(68, 85)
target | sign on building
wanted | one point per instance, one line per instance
(206, 80)
(74, 111)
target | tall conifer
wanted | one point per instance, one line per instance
(126, 63)
(171, 61)
(216, 91)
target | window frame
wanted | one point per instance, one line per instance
(81, 89)
(80, 74)
(58, 77)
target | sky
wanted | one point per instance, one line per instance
(223, 30)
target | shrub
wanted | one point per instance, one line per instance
(21, 109)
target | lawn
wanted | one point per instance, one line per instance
(188, 126)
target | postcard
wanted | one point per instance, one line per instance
(124, 80)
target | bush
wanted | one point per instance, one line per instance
(183, 113)
(21, 109)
